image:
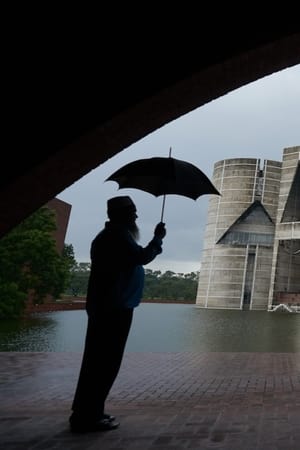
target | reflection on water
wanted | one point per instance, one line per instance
(162, 328)
(44, 332)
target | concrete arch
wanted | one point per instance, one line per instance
(82, 113)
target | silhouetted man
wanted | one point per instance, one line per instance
(115, 288)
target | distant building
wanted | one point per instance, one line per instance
(62, 212)
(251, 255)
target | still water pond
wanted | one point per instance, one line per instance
(162, 328)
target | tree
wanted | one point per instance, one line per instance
(78, 281)
(69, 256)
(31, 264)
(170, 286)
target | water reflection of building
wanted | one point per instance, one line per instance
(251, 254)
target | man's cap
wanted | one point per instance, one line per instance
(116, 203)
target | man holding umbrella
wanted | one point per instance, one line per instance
(115, 288)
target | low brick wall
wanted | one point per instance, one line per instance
(74, 303)
(70, 304)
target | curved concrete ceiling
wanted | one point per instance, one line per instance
(76, 110)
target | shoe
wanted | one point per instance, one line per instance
(100, 425)
(108, 417)
(75, 418)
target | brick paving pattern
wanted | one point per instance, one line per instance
(164, 401)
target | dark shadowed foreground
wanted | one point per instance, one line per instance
(228, 401)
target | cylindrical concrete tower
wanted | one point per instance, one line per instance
(285, 276)
(238, 243)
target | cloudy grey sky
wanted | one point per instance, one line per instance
(256, 121)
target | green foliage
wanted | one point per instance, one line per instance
(78, 280)
(12, 301)
(30, 263)
(170, 286)
(70, 263)
(69, 256)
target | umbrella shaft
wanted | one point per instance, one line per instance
(163, 208)
(164, 199)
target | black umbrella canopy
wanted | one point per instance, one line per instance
(163, 176)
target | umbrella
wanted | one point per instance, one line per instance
(162, 176)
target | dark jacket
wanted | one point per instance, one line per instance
(117, 273)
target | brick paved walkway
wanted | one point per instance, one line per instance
(164, 401)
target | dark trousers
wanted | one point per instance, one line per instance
(105, 342)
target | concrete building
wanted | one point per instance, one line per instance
(251, 254)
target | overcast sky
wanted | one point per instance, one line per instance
(256, 121)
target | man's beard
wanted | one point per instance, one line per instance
(134, 231)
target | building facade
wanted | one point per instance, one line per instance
(251, 253)
(62, 211)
